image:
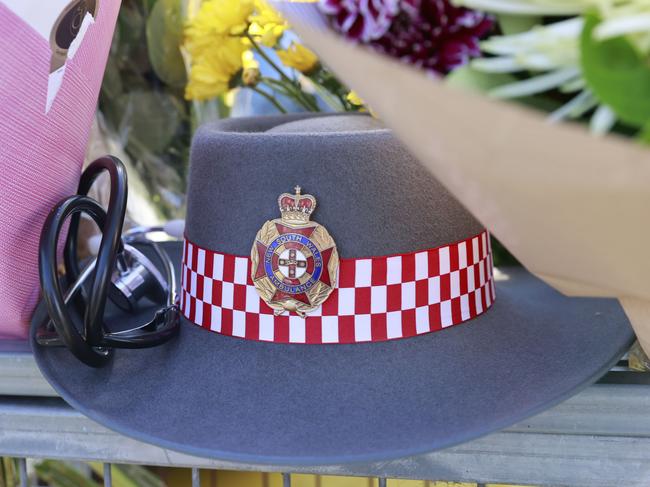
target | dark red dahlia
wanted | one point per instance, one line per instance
(431, 34)
(361, 20)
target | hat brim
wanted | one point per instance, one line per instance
(215, 396)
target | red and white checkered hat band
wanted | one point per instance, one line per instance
(376, 298)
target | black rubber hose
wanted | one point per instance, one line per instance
(110, 246)
(50, 285)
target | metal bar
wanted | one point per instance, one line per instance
(19, 374)
(108, 475)
(22, 468)
(381, 481)
(286, 480)
(196, 477)
(47, 428)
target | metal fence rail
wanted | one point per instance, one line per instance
(600, 437)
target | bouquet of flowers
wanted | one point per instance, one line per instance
(576, 59)
(592, 54)
(434, 35)
(225, 42)
(175, 64)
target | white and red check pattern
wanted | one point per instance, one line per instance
(376, 298)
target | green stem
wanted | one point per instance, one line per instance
(269, 98)
(290, 89)
(291, 92)
(295, 90)
(277, 85)
(346, 104)
(261, 52)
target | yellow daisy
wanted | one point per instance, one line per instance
(299, 57)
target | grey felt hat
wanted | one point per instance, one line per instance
(242, 400)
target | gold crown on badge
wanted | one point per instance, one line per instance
(296, 208)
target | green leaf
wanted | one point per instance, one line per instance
(129, 475)
(112, 82)
(164, 37)
(617, 74)
(60, 474)
(148, 119)
(501, 256)
(472, 79)
(130, 52)
(141, 476)
(515, 24)
(130, 23)
(9, 475)
(147, 5)
(644, 134)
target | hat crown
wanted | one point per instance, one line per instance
(373, 196)
(296, 208)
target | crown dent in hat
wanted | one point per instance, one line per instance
(373, 195)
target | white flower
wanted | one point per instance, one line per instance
(551, 54)
(548, 47)
(529, 7)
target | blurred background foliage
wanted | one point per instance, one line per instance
(141, 103)
(78, 474)
(146, 117)
(54, 473)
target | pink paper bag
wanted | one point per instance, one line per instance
(41, 149)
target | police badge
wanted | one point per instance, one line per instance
(295, 261)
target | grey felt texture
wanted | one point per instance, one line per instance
(372, 194)
(238, 400)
